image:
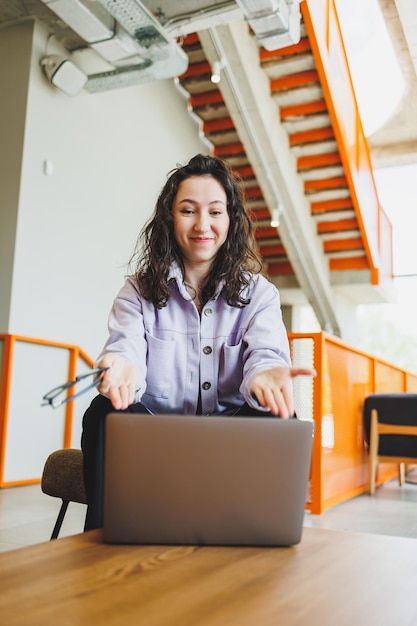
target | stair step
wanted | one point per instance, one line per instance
(275, 251)
(301, 47)
(280, 268)
(293, 81)
(318, 184)
(318, 160)
(351, 243)
(328, 146)
(326, 206)
(336, 226)
(303, 109)
(313, 135)
(349, 263)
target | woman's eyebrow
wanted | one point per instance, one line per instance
(190, 200)
(196, 202)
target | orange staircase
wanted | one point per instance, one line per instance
(349, 238)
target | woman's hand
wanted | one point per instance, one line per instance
(273, 388)
(119, 381)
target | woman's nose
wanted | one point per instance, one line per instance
(202, 224)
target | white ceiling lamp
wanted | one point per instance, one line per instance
(276, 23)
(275, 218)
(216, 71)
(64, 74)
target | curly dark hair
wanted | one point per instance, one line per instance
(157, 247)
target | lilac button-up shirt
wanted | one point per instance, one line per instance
(179, 354)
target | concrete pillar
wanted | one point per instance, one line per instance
(15, 54)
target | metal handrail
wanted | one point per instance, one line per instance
(74, 354)
(320, 17)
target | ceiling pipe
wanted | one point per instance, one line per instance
(165, 63)
(127, 36)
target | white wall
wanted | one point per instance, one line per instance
(66, 238)
(110, 154)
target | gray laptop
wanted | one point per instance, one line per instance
(172, 479)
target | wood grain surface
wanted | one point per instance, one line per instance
(331, 578)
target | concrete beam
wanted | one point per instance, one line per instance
(245, 89)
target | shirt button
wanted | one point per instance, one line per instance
(208, 312)
(206, 386)
(207, 350)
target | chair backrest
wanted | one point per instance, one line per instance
(63, 476)
(400, 411)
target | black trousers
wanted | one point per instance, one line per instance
(92, 445)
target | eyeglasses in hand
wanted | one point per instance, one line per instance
(54, 401)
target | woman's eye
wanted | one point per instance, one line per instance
(187, 211)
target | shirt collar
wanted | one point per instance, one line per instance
(175, 273)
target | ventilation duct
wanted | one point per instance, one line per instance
(126, 35)
(168, 64)
(160, 57)
(276, 23)
(88, 19)
(201, 18)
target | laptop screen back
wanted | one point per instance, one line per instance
(173, 479)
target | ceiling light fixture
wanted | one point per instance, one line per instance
(275, 218)
(215, 74)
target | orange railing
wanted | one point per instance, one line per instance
(333, 400)
(345, 376)
(320, 17)
(26, 369)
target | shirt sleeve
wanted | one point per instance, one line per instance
(127, 332)
(266, 338)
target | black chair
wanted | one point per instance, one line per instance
(391, 432)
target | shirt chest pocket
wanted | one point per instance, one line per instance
(160, 366)
(231, 369)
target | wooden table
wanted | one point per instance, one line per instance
(331, 578)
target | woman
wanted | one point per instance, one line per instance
(196, 329)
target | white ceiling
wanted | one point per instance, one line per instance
(396, 142)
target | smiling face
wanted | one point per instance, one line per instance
(201, 220)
